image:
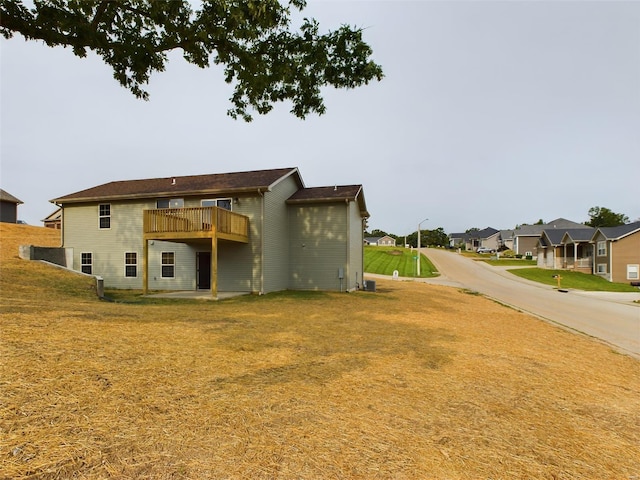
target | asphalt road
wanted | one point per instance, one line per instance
(608, 316)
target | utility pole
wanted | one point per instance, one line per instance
(418, 268)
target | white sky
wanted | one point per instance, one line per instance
(491, 114)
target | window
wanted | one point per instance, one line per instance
(601, 268)
(217, 202)
(130, 264)
(168, 264)
(86, 263)
(170, 203)
(104, 212)
(602, 249)
(633, 272)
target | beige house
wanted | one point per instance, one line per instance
(258, 232)
(617, 253)
(385, 241)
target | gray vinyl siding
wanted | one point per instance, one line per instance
(276, 235)
(108, 247)
(318, 246)
(356, 247)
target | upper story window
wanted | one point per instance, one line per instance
(217, 202)
(170, 203)
(602, 249)
(104, 213)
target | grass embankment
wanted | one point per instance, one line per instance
(414, 381)
(574, 280)
(385, 260)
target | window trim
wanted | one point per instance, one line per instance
(172, 265)
(631, 267)
(215, 202)
(83, 264)
(601, 248)
(179, 203)
(604, 269)
(128, 265)
(102, 216)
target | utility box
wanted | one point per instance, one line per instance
(370, 286)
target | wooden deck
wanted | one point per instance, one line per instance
(184, 224)
(197, 222)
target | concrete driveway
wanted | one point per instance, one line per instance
(608, 316)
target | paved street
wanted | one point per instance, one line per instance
(612, 317)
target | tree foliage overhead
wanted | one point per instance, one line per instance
(263, 57)
(603, 217)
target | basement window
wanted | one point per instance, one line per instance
(130, 264)
(168, 264)
(86, 263)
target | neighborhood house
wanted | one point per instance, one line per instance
(258, 232)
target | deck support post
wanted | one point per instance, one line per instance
(145, 266)
(214, 266)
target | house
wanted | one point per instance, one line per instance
(458, 240)
(474, 239)
(617, 252)
(505, 240)
(385, 241)
(566, 249)
(54, 220)
(8, 207)
(525, 237)
(258, 232)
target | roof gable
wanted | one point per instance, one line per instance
(337, 193)
(7, 197)
(578, 234)
(225, 183)
(616, 233)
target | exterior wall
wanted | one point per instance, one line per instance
(526, 244)
(8, 212)
(108, 247)
(276, 236)
(602, 259)
(355, 260)
(239, 263)
(625, 251)
(319, 246)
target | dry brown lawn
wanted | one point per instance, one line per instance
(414, 381)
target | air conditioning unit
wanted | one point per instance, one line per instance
(369, 286)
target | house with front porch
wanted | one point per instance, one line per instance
(255, 232)
(526, 237)
(617, 252)
(569, 249)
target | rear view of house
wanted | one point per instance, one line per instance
(258, 232)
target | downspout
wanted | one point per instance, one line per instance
(261, 242)
(348, 269)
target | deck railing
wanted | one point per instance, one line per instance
(195, 219)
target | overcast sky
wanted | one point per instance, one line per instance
(490, 114)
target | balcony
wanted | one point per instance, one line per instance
(193, 223)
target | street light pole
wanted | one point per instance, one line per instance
(418, 268)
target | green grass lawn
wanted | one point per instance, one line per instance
(384, 260)
(575, 280)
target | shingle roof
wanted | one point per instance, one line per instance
(534, 230)
(615, 233)
(338, 193)
(187, 185)
(7, 197)
(579, 234)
